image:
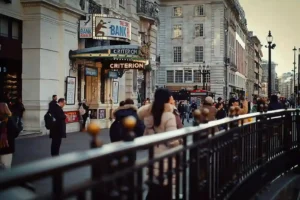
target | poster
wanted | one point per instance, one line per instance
(72, 116)
(115, 92)
(102, 114)
(71, 90)
(111, 28)
(86, 27)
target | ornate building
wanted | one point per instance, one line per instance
(65, 47)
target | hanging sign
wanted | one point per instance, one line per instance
(133, 65)
(91, 71)
(86, 27)
(110, 28)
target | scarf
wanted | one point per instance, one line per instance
(3, 131)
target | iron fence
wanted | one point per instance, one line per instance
(234, 163)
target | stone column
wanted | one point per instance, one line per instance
(48, 35)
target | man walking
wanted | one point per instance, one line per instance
(187, 111)
(58, 130)
(53, 102)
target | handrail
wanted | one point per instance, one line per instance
(77, 159)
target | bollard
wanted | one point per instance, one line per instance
(205, 113)
(129, 124)
(98, 167)
(127, 160)
(196, 115)
(237, 110)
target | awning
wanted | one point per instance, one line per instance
(112, 52)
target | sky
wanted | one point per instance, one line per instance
(282, 18)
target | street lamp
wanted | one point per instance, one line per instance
(270, 47)
(294, 70)
(204, 70)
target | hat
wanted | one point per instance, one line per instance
(208, 100)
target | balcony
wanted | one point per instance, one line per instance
(147, 10)
(233, 67)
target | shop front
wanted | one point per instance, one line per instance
(102, 77)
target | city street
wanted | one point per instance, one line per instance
(30, 149)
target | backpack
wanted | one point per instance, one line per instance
(82, 111)
(48, 118)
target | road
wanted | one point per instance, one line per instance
(30, 149)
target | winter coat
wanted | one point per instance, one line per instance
(275, 106)
(86, 108)
(12, 133)
(18, 109)
(58, 130)
(211, 115)
(187, 108)
(177, 116)
(52, 105)
(168, 123)
(116, 128)
(221, 114)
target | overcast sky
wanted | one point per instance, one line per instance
(282, 18)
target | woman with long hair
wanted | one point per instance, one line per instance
(8, 133)
(159, 118)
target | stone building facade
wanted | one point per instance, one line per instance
(194, 44)
(49, 30)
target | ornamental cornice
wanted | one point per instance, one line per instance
(51, 5)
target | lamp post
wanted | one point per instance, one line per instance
(204, 71)
(270, 47)
(294, 70)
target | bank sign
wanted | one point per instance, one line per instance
(109, 28)
(86, 27)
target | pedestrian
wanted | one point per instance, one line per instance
(181, 111)
(8, 132)
(52, 103)
(194, 106)
(208, 104)
(274, 103)
(17, 111)
(117, 130)
(58, 129)
(84, 113)
(176, 113)
(159, 118)
(187, 110)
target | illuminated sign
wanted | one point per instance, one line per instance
(111, 28)
(135, 65)
(125, 51)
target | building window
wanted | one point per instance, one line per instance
(122, 3)
(15, 30)
(177, 12)
(170, 76)
(199, 57)
(178, 76)
(3, 27)
(188, 75)
(199, 10)
(177, 54)
(197, 76)
(199, 30)
(177, 31)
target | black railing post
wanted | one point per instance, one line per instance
(200, 162)
(297, 127)
(98, 167)
(287, 135)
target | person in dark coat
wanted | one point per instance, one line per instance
(85, 115)
(116, 130)
(17, 111)
(274, 103)
(53, 102)
(58, 130)
(8, 132)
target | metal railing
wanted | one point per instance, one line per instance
(233, 163)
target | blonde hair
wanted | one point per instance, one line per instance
(4, 110)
